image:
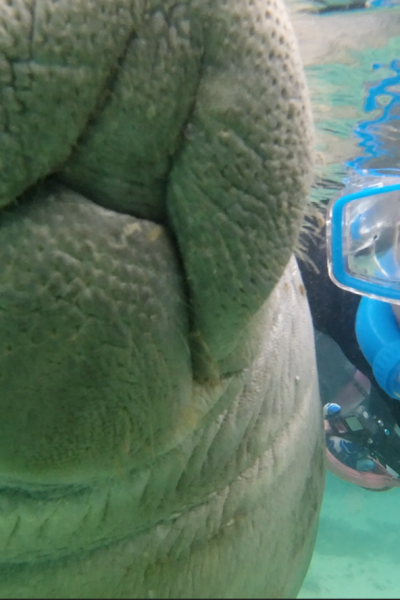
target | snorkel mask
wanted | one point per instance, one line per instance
(363, 244)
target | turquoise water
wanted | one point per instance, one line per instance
(358, 551)
(352, 60)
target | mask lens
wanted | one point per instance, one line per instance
(371, 239)
(364, 232)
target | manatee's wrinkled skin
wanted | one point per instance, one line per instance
(160, 431)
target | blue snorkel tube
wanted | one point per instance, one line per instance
(355, 223)
(378, 335)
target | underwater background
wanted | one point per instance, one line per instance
(351, 53)
(358, 545)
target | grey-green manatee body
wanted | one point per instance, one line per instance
(160, 431)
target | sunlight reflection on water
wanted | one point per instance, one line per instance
(352, 62)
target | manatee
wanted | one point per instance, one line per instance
(161, 432)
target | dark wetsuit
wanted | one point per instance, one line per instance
(334, 311)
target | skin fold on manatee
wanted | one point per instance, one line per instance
(161, 433)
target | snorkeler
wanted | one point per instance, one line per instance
(357, 337)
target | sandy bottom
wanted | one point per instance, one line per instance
(358, 547)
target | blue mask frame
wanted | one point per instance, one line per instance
(337, 260)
